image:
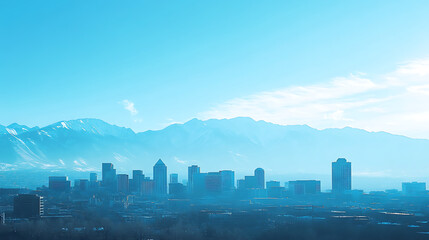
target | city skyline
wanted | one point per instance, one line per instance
(219, 119)
(341, 179)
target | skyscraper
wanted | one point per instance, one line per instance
(93, 181)
(260, 178)
(304, 187)
(136, 182)
(254, 182)
(213, 182)
(272, 184)
(192, 170)
(123, 183)
(228, 180)
(160, 178)
(147, 187)
(108, 176)
(81, 185)
(93, 177)
(413, 188)
(174, 178)
(59, 183)
(137, 173)
(199, 183)
(341, 175)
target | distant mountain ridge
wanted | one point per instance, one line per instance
(241, 144)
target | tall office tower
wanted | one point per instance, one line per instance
(136, 182)
(413, 188)
(273, 184)
(174, 178)
(192, 170)
(250, 182)
(27, 206)
(137, 174)
(123, 183)
(274, 190)
(228, 180)
(199, 183)
(260, 178)
(304, 187)
(241, 184)
(213, 182)
(147, 187)
(160, 178)
(93, 180)
(93, 177)
(60, 183)
(81, 185)
(108, 176)
(341, 175)
(176, 190)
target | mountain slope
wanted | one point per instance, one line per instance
(241, 144)
(15, 129)
(77, 144)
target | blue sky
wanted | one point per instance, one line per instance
(145, 64)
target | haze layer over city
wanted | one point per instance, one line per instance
(214, 120)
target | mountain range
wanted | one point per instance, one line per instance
(241, 144)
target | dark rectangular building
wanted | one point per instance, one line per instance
(59, 183)
(28, 206)
(301, 187)
(341, 176)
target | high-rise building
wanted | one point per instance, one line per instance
(81, 185)
(199, 183)
(108, 176)
(137, 173)
(241, 184)
(274, 190)
(177, 190)
(250, 182)
(192, 170)
(257, 181)
(136, 182)
(260, 178)
(341, 175)
(28, 206)
(93, 180)
(123, 183)
(300, 187)
(413, 188)
(160, 178)
(147, 187)
(174, 178)
(59, 183)
(213, 182)
(271, 184)
(228, 179)
(93, 177)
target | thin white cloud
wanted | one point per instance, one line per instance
(393, 102)
(129, 106)
(180, 161)
(418, 67)
(61, 162)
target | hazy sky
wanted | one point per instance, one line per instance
(145, 64)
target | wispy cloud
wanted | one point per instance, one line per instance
(129, 106)
(391, 102)
(180, 161)
(418, 67)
